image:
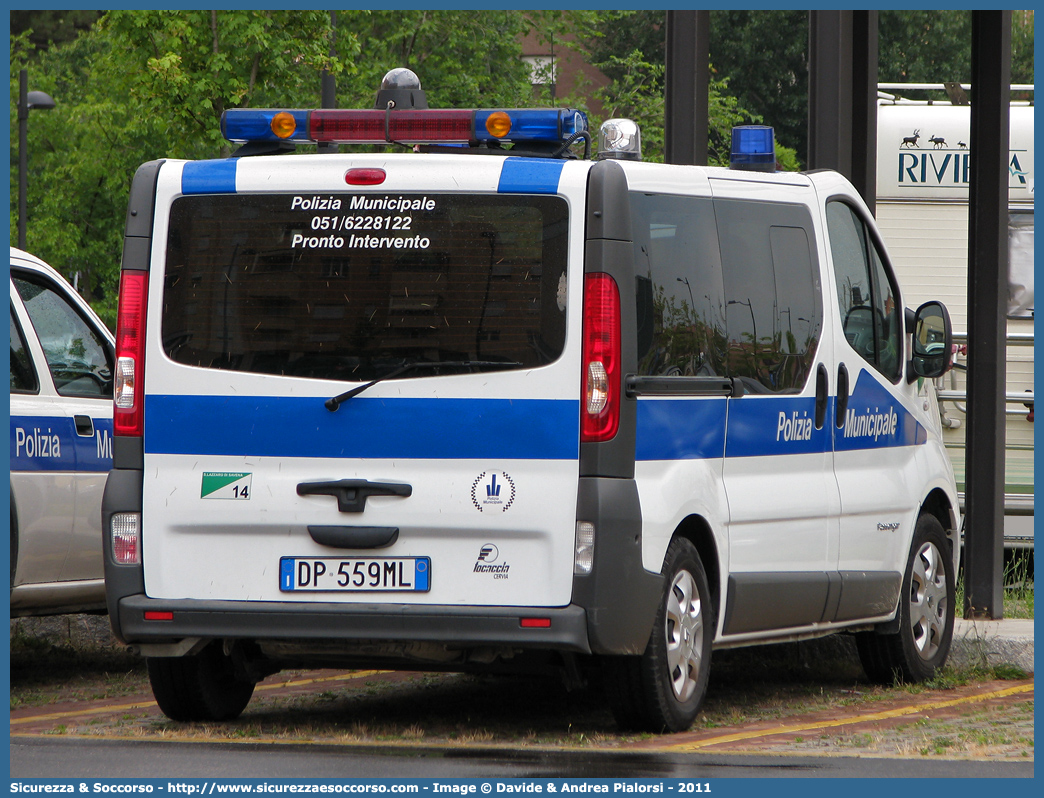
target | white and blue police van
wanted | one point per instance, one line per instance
(61, 362)
(493, 403)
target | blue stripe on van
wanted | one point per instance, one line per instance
(764, 426)
(263, 426)
(209, 177)
(774, 425)
(875, 419)
(530, 176)
(50, 443)
(680, 429)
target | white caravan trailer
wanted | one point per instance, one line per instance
(923, 157)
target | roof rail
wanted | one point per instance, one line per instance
(896, 93)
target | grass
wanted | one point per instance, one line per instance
(1017, 578)
(79, 673)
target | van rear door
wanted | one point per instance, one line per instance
(363, 394)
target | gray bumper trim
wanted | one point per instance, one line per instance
(456, 626)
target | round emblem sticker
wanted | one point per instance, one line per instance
(493, 490)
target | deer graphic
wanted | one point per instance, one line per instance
(911, 141)
(937, 142)
(962, 145)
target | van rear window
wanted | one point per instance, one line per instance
(354, 286)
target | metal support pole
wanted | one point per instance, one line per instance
(328, 83)
(687, 81)
(864, 106)
(23, 152)
(842, 96)
(830, 91)
(987, 313)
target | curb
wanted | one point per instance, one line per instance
(1004, 642)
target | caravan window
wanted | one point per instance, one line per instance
(1020, 264)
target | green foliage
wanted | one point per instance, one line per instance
(1022, 47)
(47, 28)
(143, 85)
(924, 46)
(186, 67)
(765, 56)
(637, 80)
(140, 85)
(464, 58)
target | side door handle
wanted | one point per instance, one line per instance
(842, 396)
(351, 494)
(822, 395)
(84, 426)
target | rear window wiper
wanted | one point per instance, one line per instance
(337, 401)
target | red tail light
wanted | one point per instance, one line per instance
(130, 354)
(600, 381)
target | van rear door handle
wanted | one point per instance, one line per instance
(354, 537)
(351, 494)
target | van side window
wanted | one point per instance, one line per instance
(23, 375)
(76, 354)
(681, 302)
(866, 293)
(773, 296)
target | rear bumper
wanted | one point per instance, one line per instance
(305, 622)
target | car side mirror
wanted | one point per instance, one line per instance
(932, 342)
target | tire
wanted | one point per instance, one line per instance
(926, 613)
(663, 689)
(202, 687)
(14, 540)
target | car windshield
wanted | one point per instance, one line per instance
(353, 287)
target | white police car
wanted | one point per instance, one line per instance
(487, 404)
(61, 442)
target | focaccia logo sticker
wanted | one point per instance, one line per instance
(225, 485)
(493, 490)
(487, 562)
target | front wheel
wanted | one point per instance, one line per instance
(926, 613)
(663, 689)
(202, 687)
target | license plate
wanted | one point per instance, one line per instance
(367, 575)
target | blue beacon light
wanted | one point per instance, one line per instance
(753, 148)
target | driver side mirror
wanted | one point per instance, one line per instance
(932, 342)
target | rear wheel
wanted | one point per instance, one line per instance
(663, 689)
(14, 540)
(200, 687)
(926, 614)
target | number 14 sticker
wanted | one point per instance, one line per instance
(225, 485)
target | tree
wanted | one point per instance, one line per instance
(924, 46)
(629, 48)
(764, 56)
(46, 28)
(463, 58)
(189, 66)
(142, 85)
(139, 86)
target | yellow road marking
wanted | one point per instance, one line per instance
(112, 709)
(891, 713)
